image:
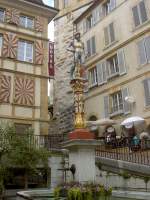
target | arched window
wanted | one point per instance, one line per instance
(94, 129)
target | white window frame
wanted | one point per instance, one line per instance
(91, 51)
(92, 77)
(65, 3)
(108, 28)
(3, 11)
(26, 21)
(115, 66)
(139, 14)
(119, 105)
(107, 7)
(26, 59)
(89, 22)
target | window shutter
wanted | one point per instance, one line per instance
(112, 5)
(94, 16)
(121, 62)
(143, 11)
(106, 106)
(126, 105)
(112, 33)
(21, 50)
(12, 16)
(101, 73)
(147, 47)
(93, 45)
(136, 16)
(39, 24)
(104, 69)
(39, 52)
(84, 26)
(88, 48)
(147, 91)
(142, 53)
(10, 44)
(1, 43)
(86, 85)
(106, 35)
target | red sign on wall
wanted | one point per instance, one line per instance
(51, 59)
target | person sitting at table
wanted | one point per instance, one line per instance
(110, 135)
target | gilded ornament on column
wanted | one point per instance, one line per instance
(78, 81)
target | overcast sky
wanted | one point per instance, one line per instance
(51, 25)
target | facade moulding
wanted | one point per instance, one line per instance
(117, 85)
(96, 3)
(31, 35)
(23, 119)
(23, 73)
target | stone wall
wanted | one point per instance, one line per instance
(63, 122)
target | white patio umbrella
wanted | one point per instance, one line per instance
(129, 122)
(101, 122)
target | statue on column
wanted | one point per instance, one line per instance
(77, 48)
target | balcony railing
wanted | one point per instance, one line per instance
(124, 149)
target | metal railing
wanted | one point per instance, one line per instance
(49, 142)
(125, 150)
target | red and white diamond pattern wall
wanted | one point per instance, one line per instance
(5, 88)
(24, 91)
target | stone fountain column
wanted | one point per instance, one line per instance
(81, 143)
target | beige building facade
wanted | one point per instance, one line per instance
(24, 63)
(116, 34)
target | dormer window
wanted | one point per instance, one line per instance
(27, 22)
(2, 15)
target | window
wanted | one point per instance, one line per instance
(113, 68)
(2, 14)
(1, 43)
(139, 14)
(65, 3)
(25, 51)
(22, 128)
(97, 14)
(108, 6)
(26, 22)
(91, 48)
(147, 91)
(89, 23)
(92, 77)
(117, 102)
(144, 50)
(109, 34)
